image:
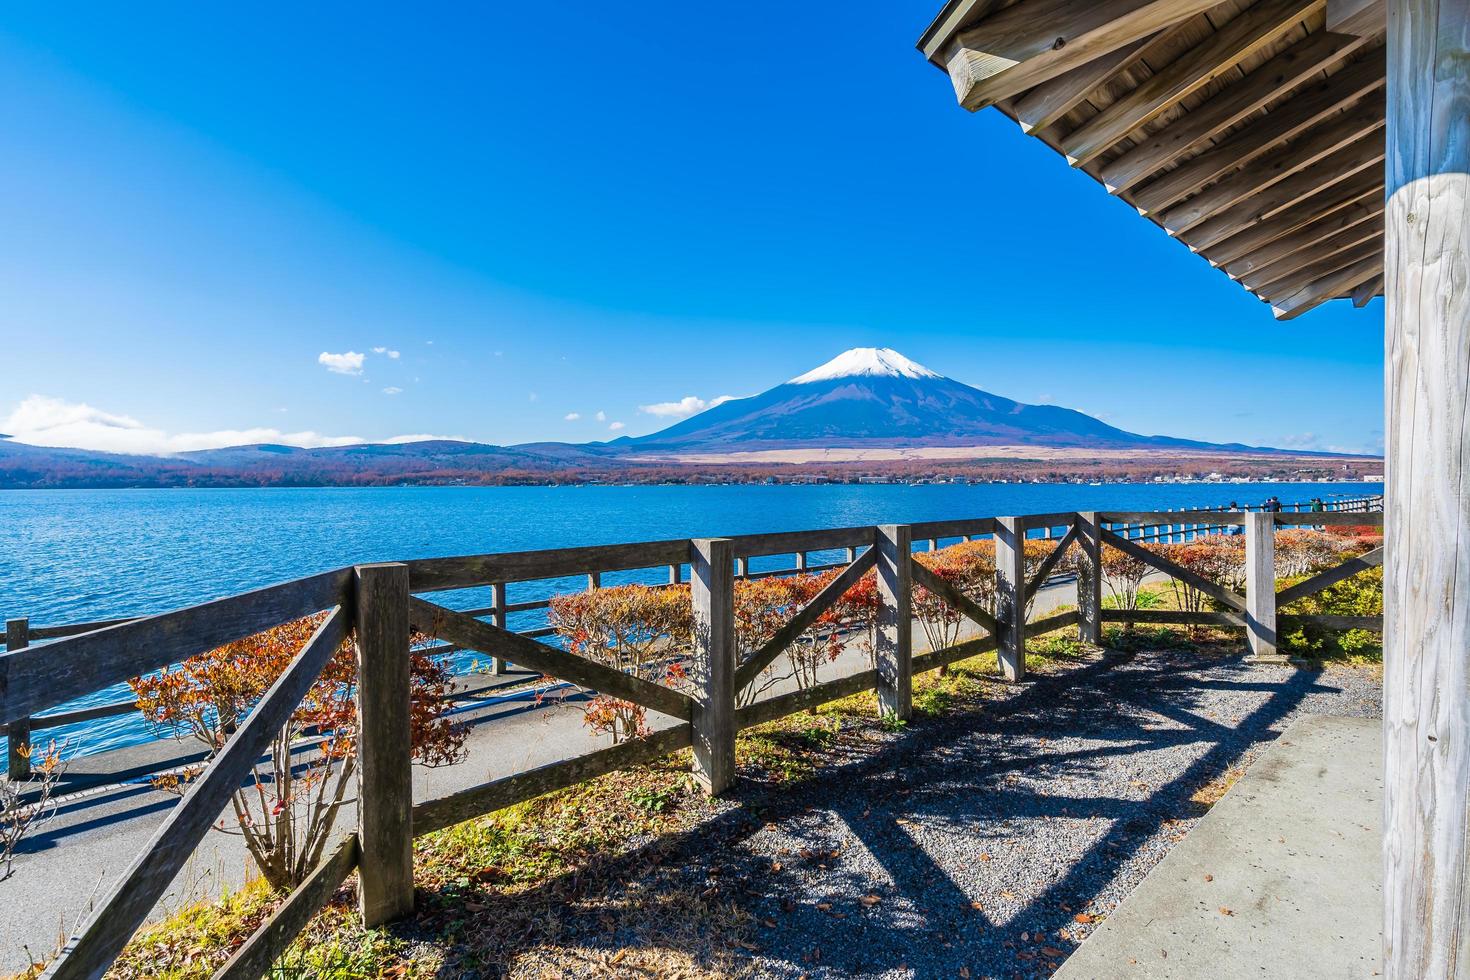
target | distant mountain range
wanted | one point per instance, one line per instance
(866, 399)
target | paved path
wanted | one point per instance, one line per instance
(1282, 878)
(65, 867)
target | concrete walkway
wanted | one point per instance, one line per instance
(1281, 878)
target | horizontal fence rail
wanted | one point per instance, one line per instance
(379, 607)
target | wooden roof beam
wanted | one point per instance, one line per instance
(1033, 41)
(1267, 278)
(1343, 280)
(1349, 195)
(1365, 18)
(1326, 139)
(1366, 209)
(1314, 271)
(1367, 153)
(1288, 120)
(1281, 74)
(1222, 50)
(1050, 101)
(1365, 293)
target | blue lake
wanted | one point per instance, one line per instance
(75, 555)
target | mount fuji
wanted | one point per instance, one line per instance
(876, 397)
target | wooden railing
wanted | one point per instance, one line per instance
(378, 606)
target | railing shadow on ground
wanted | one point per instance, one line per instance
(926, 916)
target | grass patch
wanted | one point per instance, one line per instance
(1212, 792)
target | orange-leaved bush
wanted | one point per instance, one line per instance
(286, 810)
(637, 629)
(764, 605)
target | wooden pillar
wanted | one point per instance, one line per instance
(801, 561)
(594, 581)
(1089, 579)
(712, 666)
(895, 620)
(1260, 586)
(676, 573)
(1426, 569)
(18, 732)
(1010, 599)
(384, 745)
(497, 616)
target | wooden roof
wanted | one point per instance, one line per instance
(1250, 130)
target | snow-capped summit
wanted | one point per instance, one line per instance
(866, 362)
(874, 396)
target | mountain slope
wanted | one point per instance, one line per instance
(877, 397)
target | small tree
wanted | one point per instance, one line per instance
(764, 605)
(26, 805)
(286, 811)
(636, 629)
(1124, 574)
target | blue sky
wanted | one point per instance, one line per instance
(578, 209)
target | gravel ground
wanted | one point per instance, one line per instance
(984, 843)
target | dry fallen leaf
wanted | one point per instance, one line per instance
(1051, 951)
(1225, 911)
(1209, 877)
(985, 857)
(1082, 917)
(618, 957)
(870, 900)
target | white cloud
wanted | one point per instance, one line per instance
(616, 426)
(42, 421)
(385, 351)
(572, 416)
(601, 416)
(348, 362)
(684, 407)
(391, 390)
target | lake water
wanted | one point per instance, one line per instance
(76, 555)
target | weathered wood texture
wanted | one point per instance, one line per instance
(384, 744)
(469, 633)
(126, 905)
(438, 574)
(976, 613)
(1033, 41)
(1089, 578)
(1426, 683)
(38, 678)
(1010, 597)
(1330, 577)
(256, 956)
(18, 732)
(446, 811)
(782, 705)
(712, 661)
(820, 603)
(1260, 586)
(895, 632)
(1231, 125)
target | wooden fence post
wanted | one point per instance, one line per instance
(384, 744)
(497, 600)
(712, 667)
(1089, 579)
(676, 573)
(1010, 598)
(895, 654)
(18, 733)
(1260, 586)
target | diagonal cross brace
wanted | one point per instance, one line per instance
(472, 634)
(926, 578)
(1219, 593)
(821, 602)
(1331, 576)
(1050, 562)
